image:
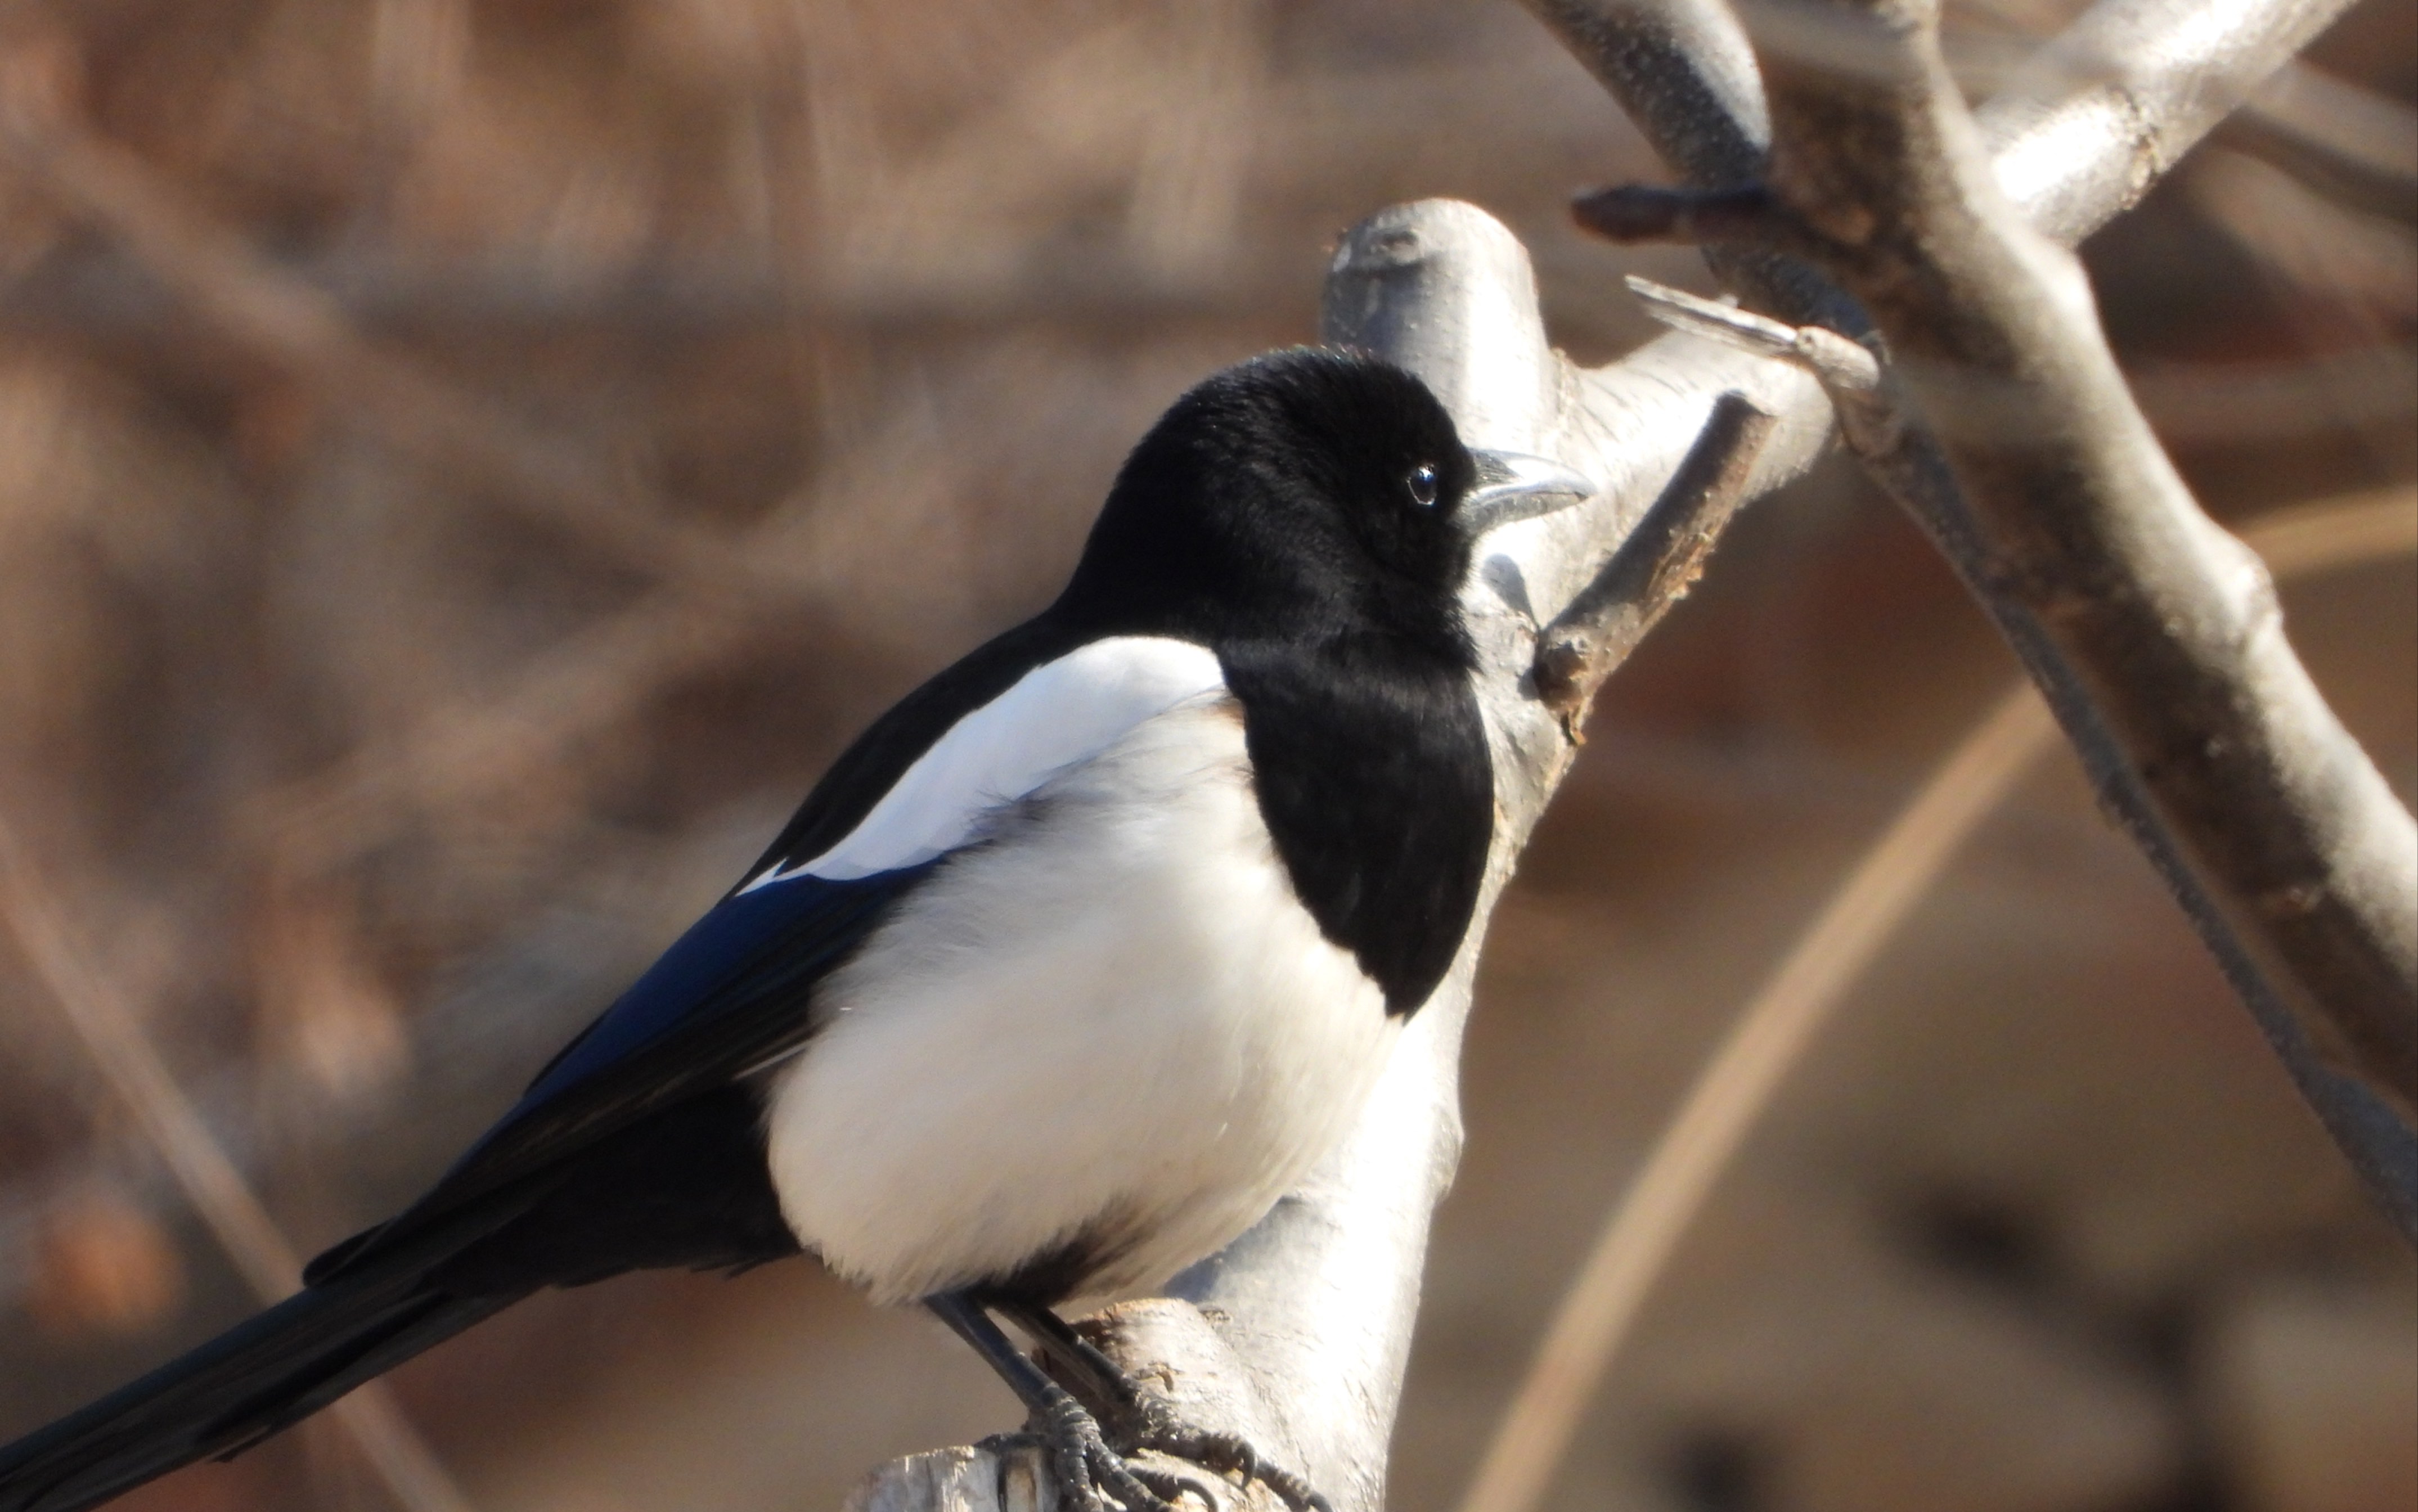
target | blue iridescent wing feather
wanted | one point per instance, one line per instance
(732, 994)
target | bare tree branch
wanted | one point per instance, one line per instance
(2144, 625)
(2076, 135)
(1654, 568)
(1803, 990)
(2286, 844)
(1318, 1301)
(2096, 117)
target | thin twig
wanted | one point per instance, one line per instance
(1678, 1176)
(1838, 362)
(114, 1037)
(1869, 414)
(1651, 212)
(1655, 567)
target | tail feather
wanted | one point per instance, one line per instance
(686, 1186)
(237, 1389)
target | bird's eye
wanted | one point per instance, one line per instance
(1422, 484)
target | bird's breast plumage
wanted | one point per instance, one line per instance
(1109, 1035)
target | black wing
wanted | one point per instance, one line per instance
(730, 995)
(733, 993)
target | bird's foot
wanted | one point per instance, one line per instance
(1093, 1476)
(1163, 1432)
(1146, 1422)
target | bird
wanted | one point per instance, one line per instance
(1068, 969)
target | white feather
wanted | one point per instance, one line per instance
(1116, 1015)
(1056, 715)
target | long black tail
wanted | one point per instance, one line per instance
(241, 1387)
(686, 1186)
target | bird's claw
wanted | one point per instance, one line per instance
(1171, 1486)
(1142, 1422)
(1093, 1477)
(1146, 1422)
(1165, 1433)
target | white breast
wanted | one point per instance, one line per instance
(1112, 1019)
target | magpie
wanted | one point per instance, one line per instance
(1070, 967)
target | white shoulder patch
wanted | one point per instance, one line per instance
(1056, 716)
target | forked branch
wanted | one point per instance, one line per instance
(2155, 634)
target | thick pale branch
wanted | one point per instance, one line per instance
(2076, 135)
(2095, 118)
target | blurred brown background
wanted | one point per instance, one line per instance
(465, 467)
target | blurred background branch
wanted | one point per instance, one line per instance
(131, 1065)
(291, 323)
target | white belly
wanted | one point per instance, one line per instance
(1114, 1020)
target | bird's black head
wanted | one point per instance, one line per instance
(1309, 491)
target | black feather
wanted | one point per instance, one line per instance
(632, 1202)
(241, 1387)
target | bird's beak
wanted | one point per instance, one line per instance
(1512, 485)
